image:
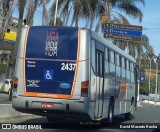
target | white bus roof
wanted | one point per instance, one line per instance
(112, 46)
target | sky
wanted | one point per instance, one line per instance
(150, 22)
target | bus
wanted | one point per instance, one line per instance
(66, 72)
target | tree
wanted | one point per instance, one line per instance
(59, 22)
(76, 9)
(136, 48)
(108, 11)
(21, 7)
(32, 6)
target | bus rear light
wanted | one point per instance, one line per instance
(14, 97)
(15, 82)
(84, 88)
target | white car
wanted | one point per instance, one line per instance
(5, 86)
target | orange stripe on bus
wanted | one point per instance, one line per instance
(123, 90)
(23, 64)
(77, 65)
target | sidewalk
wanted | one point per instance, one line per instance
(151, 102)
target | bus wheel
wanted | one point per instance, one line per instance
(130, 115)
(55, 119)
(110, 112)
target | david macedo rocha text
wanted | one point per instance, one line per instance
(138, 126)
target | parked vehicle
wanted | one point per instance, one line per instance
(5, 86)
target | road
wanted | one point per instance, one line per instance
(146, 114)
(4, 97)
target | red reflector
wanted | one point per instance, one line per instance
(14, 97)
(84, 88)
(85, 84)
(15, 82)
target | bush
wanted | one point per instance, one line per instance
(144, 88)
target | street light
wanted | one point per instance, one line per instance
(150, 65)
(55, 17)
(158, 58)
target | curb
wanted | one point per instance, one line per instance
(151, 102)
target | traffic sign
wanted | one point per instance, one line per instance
(123, 32)
(143, 78)
(122, 37)
(121, 26)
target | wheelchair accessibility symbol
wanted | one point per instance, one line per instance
(48, 74)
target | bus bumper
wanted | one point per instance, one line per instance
(60, 107)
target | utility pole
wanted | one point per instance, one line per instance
(156, 79)
(158, 57)
(139, 78)
(55, 17)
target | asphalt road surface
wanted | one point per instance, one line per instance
(143, 115)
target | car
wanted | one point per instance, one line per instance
(5, 85)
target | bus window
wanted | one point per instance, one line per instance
(112, 70)
(120, 61)
(128, 75)
(118, 71)
(117, 60)
(123, 73)
(127, 71)
(132, 72)
(132, 77)
(106, 68)
(106, 55)
(112, 58)
(106, 62)
(93, 56)
(100, 63)
(127, 65)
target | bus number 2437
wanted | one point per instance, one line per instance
(68, 66)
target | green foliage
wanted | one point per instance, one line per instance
(59, 22)
(144, 88)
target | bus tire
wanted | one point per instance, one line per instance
(110, 112)
(55, 119)
(130, 115)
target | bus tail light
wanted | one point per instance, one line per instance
(15, 82)
(84, 88)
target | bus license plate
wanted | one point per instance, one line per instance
(47, 105)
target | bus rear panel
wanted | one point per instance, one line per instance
(49, 77)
